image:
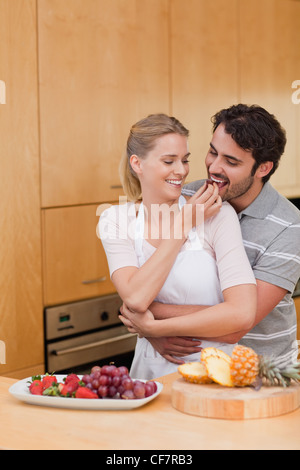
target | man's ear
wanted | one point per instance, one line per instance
(135, 163)
(264, 169)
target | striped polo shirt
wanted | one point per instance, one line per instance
(271, 234)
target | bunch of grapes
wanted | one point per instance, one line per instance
(110, 381)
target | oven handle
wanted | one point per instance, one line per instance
(83, 347)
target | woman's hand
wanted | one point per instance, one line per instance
(139, 323)
(204, 204)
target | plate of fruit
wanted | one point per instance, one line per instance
(105, 388)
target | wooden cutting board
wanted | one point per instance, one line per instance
(215, 401)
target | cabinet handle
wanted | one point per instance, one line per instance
(116, 186)
(93, 281)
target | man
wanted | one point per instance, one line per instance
(244, 152)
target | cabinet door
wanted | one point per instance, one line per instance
(75, 265)
(204, 60)
(103, 65)
(21, 308)
(269, 64)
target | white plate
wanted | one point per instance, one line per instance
(20, 391)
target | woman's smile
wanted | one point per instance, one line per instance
(175, 182)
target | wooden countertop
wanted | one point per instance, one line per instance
(155, 426)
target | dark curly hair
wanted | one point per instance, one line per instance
(254, 129)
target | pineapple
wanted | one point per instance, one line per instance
(244, 366)
(214, 366)
(214, 352)
(194, 372)
(249, 368)
(218, 369)
(242, 369)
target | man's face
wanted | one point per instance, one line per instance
(230, 166)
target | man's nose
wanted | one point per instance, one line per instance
(215, 166)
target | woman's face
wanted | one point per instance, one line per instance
(164, 169)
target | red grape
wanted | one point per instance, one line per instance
(150, 388)
(95, 375)
(116, 381)
(103, 391)
(127, 383)
(105, 380)
(116, 372)
(112, 391)
(105, 370)
(108, 370)
(139, 390)
(86, 379)
(123, 370)
(152, 385)
(128, 395)
(96, 383)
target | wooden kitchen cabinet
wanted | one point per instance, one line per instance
(74, 261)
(297, 304)
(204, 58)
(21, 307)
(103, 65)
(269, 56)
(230, 51)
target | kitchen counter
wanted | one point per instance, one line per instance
(155, 426)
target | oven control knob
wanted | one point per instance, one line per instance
(104, 316)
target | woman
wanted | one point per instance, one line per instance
(168, 249)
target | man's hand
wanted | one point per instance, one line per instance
(174, 347)
(137, 322)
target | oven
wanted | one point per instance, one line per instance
(82, 334)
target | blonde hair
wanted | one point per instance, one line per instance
(141, 140)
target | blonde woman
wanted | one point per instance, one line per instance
(162, 246)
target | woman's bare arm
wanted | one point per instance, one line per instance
(236, 313)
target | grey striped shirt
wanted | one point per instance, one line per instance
(271, 234)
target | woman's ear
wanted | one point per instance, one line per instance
(264, 169)
(135, 164)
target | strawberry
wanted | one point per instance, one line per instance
(71, 378)
(48, 380)
(84, 392)
(69, 388)
(36, 387)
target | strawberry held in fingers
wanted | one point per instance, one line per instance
(219, 181)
